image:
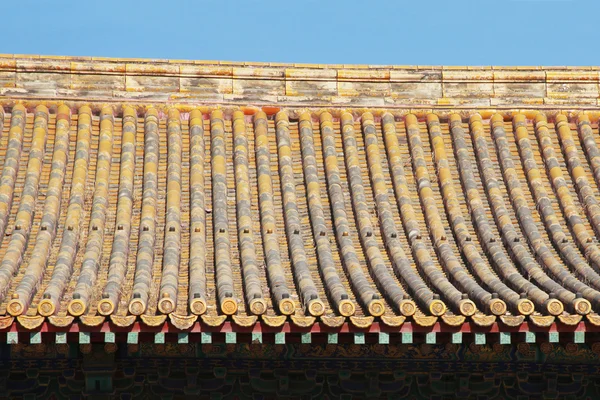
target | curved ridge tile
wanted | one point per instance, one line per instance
(306, 286)
(1, 122)
(433, 274)
(459, 227)
(574, 220)
(36, 267)
(120, 247)
(536, 241)
(508, 232)
(336, 290)
(147, 237)
(24, 219)
(63, 267)
(172, 244)
(250, 269)
(277, 282)
(575, 167)
(391, 290)
(11, 163)
(588, 142)
(223, 269)
(197, 288)
(400, 263)
(557, 235)
(436, 228)
(521, 303)
(362, 288)
(95, 241)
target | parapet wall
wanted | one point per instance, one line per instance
(217, 82)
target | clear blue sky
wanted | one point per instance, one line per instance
(458, 32)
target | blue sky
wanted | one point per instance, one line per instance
(458, 32)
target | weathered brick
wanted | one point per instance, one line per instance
(363, 75)
(310, 74)
(364, 88)
(41, 80)
(522, 89)
(99, 67)
(8, 79)
(259, 86)
(139, 83)
(468, 89)
(251, 72)
(519, 76)
(310, 88)
(463, 75)
(97, 82)
(415, 75)
(205, 71)
(420, 90)
(207, 85)
(566, 90)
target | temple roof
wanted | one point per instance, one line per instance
(151, 192)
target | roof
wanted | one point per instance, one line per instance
(144, 194)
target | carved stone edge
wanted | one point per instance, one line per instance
(572, 319)
(61, 322)
(183, 321)
(393, 321)
(362, 322)
(453, 320)
(542, 321)
(483, 320)
(245, 320)
(6, 321)
(213, 320)
(123, 321)
(333, 322)
(512, 320)
(274, 321)
(153, 320)
(92, 320)
(31, 322)
(425, 320)
(303, 321)
(594, 319)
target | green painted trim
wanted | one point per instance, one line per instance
(12, 338)
(61, 338)
(306, 338)
(183, 338)
(230, 338)
(529, 337)
(579, 337)
(457, 338)
(384, 338)
(359, 338)
(280, 338)
(553, 337)
(407, 337)
(480, 338)
(430, 338)
(109, 337)
(257, 337)
(132, 338)
(84, 338)
(159, 338)
(35, 337)
(205, 337)
(505, 338)
(332, 338)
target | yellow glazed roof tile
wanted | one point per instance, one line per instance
(320, 203)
